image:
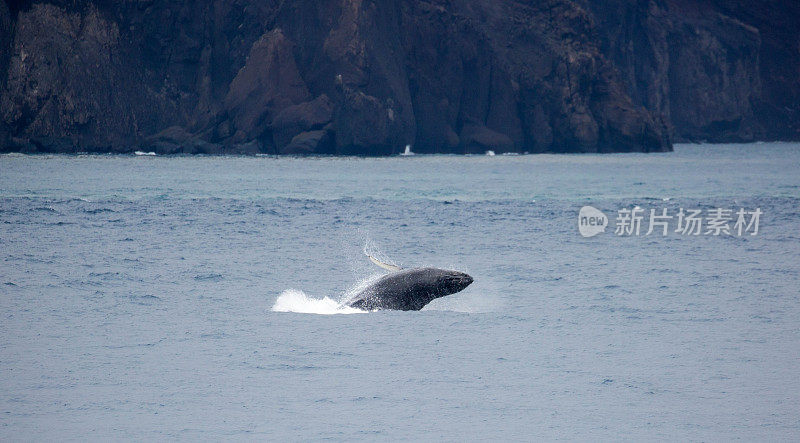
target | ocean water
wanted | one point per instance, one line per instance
(197, 298)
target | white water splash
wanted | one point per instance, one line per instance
(293, 300)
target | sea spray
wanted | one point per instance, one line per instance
(293, 300)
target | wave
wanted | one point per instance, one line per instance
(293, 300)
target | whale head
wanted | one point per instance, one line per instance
(450, 282)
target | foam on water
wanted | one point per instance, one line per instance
(293, 300)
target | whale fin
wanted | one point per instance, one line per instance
(386, 266)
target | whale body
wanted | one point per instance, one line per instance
(409, 289)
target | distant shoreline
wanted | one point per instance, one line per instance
(144, 152)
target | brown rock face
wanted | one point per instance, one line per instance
(364, 125)
(479, 139)
(296, 119)
(6, 37)
(59, 76)
(268, 83)
(311, 142)
(713, 69)
(369, 77)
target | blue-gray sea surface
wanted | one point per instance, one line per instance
(139, 298)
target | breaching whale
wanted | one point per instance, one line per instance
(408, 289)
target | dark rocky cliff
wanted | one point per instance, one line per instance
(369, 77)
(718, 70)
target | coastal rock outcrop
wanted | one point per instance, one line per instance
(296, 119)
(268, 83)
(715, 70)
(366, 77)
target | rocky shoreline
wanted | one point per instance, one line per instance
(368, 78)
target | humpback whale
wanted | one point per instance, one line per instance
(408, 289)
